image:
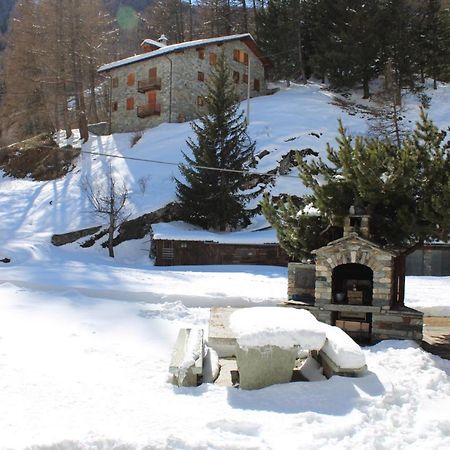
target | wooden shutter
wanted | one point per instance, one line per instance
(115, 82)
(130, 103)
(246, 59)
(236, 54)
(131, 79)
(151, 97)
(236, 77)
(212, 59)
(115, 106)
(152, 73)
(256, 85)
(200, 76)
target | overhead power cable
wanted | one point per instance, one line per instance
(167, 163)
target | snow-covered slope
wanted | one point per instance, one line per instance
(296, 117)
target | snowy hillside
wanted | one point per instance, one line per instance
(294, 118)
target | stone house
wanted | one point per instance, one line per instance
(167, 83)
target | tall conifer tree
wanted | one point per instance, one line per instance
(213, 198)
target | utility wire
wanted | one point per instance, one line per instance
(167, 163)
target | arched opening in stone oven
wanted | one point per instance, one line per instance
(352, 284)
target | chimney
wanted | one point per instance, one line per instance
(163, 40)
(358, 221)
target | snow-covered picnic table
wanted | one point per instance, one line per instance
(269, 340)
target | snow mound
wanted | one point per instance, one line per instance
(282, 327)
(343, 350)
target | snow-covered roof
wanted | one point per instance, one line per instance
(152, 42)
(164, 50)
(181, 231)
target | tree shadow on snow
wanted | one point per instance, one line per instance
(337, 396)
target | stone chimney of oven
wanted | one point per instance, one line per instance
(357, 221)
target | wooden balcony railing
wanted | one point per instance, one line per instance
(148, 110)
(153, 84)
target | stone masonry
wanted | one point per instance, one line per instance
(355, 250)
(384, 317)
(181, 88)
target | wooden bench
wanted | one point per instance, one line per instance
(186, 364)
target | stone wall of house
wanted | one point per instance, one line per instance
(187, 89)
(348, 251)
(124, 120)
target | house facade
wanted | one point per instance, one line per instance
(167, 83)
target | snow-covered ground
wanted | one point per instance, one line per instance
(83, 373)
(85, 340)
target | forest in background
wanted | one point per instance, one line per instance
(52, 48)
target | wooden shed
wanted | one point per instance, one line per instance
(429, 260)
(178, 244)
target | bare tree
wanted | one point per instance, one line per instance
(54, 48)
(109, 202)
(388, 119)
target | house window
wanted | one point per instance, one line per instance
(130, 79)
(245, 78)
(115, 106)
(200, 101)
(240, 56)
(115, 82)
(152, 73)
(256, 84)
(236, 77)
(130, 103)
(201, 53)
(212, 59)
(200, 76)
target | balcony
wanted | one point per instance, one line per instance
(148, 110)
(153, 84)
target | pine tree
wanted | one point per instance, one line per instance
(213, 199)
(405, 189)
(281, 34)
(298, 231)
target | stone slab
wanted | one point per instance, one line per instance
(220, 336)
(263, 366)
(228, 367)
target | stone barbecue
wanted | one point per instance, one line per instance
(356, 285)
